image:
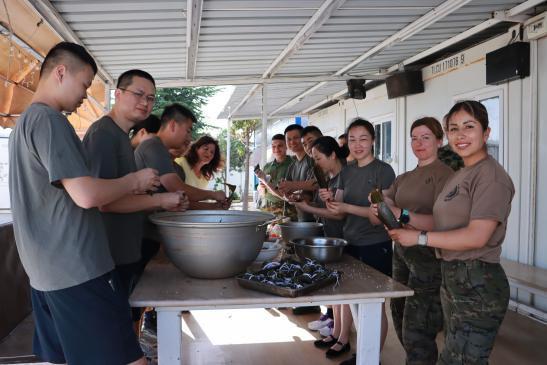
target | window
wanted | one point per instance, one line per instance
(382, 143)
(493, 107)
(492, 99)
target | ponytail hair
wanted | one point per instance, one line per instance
(328, 145)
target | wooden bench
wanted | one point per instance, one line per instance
(528, 278)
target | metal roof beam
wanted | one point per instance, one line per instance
(312, 25)
(521, 8)
(261, 81)
(193, 26)
(510, 15)
(48, 12)
(416, 26)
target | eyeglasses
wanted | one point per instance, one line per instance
(140, 95)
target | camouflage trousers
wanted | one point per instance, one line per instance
(474, 296)
(417, 319)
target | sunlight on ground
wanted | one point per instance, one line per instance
(186, 330)
(247, 326)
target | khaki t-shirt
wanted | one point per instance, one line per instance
(481, 191)
(416, 190)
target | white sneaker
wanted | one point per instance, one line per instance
(327, 330)
(323, 321)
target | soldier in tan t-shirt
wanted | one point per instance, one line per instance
(470, 222)
(418, 319)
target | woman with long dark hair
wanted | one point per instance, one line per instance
(367, 242)
(201, 162)
(470, 216)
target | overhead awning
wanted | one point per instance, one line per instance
(302, 50)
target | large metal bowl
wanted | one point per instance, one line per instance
(292, 230)
(212, 244)
(322, 249)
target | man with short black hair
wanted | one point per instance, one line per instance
(111, 156)
(271, 175)
(343, 140)
(143, 130)
(309, 135)
(175, 129)
(300, 173)
(80, 311)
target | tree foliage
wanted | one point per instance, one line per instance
(242, 130)
(195, 98)
(237, 151)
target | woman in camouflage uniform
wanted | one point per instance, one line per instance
(470, 217)
(418, 319)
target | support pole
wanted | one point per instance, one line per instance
(228, 147)
(264, 134)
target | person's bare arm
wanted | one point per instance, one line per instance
(288, 187)
(89, 192)
(172, 182)
(321, 212)
(205, 206)
(475, 235)
(177, 201)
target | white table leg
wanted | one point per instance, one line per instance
(355, 314)
(169, 336)
(368, 333)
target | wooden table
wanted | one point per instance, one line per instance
(170, 291)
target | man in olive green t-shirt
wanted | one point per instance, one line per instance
(273, 173)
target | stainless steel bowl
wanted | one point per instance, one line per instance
(292, 230)
(322, 249)
(212, 244)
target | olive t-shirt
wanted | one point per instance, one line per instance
(481, 191)
(301, 170)
(111, 157)
(357, 183)
(152, 153)
(277, 171)
(417, 190)
(332, 227)
(60, 244)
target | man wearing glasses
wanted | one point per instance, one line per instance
(111, 156)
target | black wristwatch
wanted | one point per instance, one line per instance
(404, 218)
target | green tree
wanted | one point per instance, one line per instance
(237, 150)
(242, 130)
(195, 98)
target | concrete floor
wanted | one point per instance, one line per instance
(277, 337)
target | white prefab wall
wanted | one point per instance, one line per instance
(522, 137)
(541, 201)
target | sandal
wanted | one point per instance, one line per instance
(335, 353)
(326, 342)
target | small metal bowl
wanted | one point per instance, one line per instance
(322, 249)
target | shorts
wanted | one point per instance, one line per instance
(85, 324)
(378, 255)
(129, 275)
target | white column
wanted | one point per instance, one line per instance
(228, 147)
(264, 133)
(169, 336)
(368, 333)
